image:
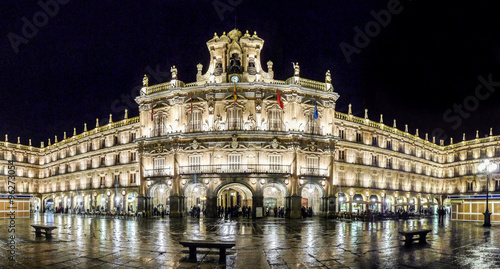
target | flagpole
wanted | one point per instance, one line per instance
(235, 96)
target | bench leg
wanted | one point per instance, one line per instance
(408, 240)
(422, 238)
(192, 253)
(48, 234)
(38, 233)
(222, 257)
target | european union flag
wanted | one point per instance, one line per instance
(316, 115)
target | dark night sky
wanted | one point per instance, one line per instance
(86, 59)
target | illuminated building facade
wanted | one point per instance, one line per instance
(238, 137)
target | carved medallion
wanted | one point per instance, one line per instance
(234, 144)
(275, 143)
(195, 144)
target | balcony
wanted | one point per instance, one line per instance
(162, 172)
(235, 169)
(315, 172)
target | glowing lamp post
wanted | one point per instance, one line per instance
(487, 168)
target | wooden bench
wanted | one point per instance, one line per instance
(47, 230)
(422, 233)
(193, 244)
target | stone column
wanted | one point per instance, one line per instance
(141, 203)
(257, 204)
(295, 196)
(211, 207)
(176, 207)
(331, 206)
(323, 207)
(295, 199)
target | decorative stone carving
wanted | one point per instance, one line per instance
(313, 146)
(296, 69)
(234, 143)
(250, 123)
(173, 70)
(328, 77)
(195, 145)
(275, 144)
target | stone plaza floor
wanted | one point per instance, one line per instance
(105, 242)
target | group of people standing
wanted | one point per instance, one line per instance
(279, 212)
(306, 212)
(234, 212)
(196, 211)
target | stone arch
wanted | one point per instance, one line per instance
(312, 194)
(244, 183)
(131, 201)
(160, 195)
(233, 196)
(274, 193)
(196, 194)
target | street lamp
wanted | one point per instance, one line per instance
(487, 168)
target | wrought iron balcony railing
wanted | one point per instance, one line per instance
(162, 172)
(319, 172)
(235, 168)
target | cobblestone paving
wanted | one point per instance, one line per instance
(104, 242)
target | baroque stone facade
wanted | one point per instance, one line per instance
(228, 140)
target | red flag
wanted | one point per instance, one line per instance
(279, 100)
(191, 102)
(235, 96)
(152, 113)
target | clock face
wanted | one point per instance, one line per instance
(235, 79)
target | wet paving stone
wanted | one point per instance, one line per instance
(103, 242)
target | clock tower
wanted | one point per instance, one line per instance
(235, 57)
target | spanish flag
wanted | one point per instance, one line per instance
(235, 96)
(152, 112)
(280, 102)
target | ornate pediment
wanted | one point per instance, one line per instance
(195, 145)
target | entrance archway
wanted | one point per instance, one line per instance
(342, 202)
(311, 197)
(49, 205)
(132, 202)
(374, 203)
(358, 203)
(36, 204)
(160, 197)
(232, 198)
(196, 196)
(274, 197)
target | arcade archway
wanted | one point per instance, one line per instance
(131, 202)
(196, 196)
(160, 197)
(311, 197)
(274, 198)
(231, 199)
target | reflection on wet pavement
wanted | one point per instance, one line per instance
(103, 242)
